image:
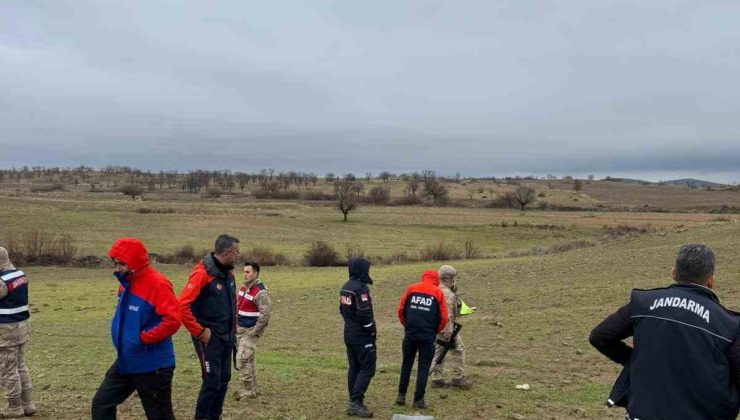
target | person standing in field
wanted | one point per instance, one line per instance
(423, 313)
(685, 359)
(14, 376)
(208, 308)
(146, 317)
(455, 358)
(356, 309)
(254, 310)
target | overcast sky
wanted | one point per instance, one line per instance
(642, 88)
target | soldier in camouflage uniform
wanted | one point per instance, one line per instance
(254, 310)
(455, 358)
(14, 376)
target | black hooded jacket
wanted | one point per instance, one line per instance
(355, 304)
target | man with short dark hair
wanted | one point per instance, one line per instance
(685, 359)
(146, 317)
(207, 304)
(254, 310)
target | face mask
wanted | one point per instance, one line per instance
(122, 277)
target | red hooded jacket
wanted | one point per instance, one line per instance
(147, 314)
(422, 309)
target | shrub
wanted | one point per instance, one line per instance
(614, 232)
(41, 248)
(380, 194)
(471, 251)
(57, 186)
(276, 195)
(144, 210)
(320, 254)
(186, 254)
(439, 251)
(317, 196)
(396, 258)
(265, 256)
(214, 192)
(554, 249)
(408, 200)
(133, 190)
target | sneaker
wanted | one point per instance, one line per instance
(401, 399)
(463, 383)
(419, 404)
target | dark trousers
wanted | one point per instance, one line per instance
(154, 389)
(215, 364)
(361, 358)
(426, 354)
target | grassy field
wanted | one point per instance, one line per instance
(531, 326)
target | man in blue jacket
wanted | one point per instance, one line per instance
(685, 359)
(146, 317)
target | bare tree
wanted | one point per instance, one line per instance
(347, 199)
(385, 176)
(435, 189)
(577, 185)
(522, 196)
(413, 184)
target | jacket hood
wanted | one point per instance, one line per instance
(359, 269)
(132, 252)
(430, 276)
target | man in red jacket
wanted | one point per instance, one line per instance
(423, 313)
(146, 317)
(208, 308)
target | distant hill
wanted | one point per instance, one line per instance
(626, 180)
(693, 182)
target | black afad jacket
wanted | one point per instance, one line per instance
(355, 304)
(686, 358)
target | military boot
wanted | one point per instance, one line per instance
(358, 409)
(29, 408)
(419, 404)
(463, 383)
(439, 383)
(244, 392)
(13, 410)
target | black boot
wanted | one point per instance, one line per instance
(358, 409)
(419, 404)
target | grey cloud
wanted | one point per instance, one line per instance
(483, 88)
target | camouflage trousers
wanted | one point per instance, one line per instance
(454, 360)
(14, 376)
(246, 346)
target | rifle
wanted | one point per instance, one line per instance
(448, 344)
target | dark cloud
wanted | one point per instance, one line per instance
(481, 88)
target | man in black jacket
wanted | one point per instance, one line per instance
(208, 309)
(685, 363)
(356, 308)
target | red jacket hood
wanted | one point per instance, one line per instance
(430, 276)
(132, 252)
